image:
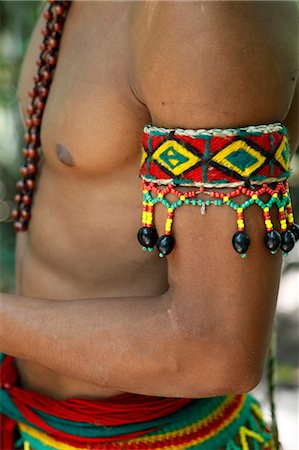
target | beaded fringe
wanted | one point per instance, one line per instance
(278, 196)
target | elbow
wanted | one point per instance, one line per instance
(209, 375)
(208, 366)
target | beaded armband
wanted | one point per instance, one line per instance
(252, 161)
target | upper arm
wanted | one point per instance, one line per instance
(218, 65)
(215, 64)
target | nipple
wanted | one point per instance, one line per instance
(64, 155)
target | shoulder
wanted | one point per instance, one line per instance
(207, 64)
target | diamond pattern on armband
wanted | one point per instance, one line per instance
(239, 158)
(247, 160)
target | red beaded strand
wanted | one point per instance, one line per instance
(55, 16)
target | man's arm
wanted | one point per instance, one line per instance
(209, 333)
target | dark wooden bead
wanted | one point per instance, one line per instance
(32, 168)
(52, 43)
(20, 185)
(32, 93)
(47, 75)
(37, 78)
(30, 184)
(27, 199)
(33, 154)
(57, 26)
(43, 91)
(147, 236)
(241, 242)
(36, 120)
(17, 198)
(295, 230)
(30, 109)
(44, 57)
(27, 137)
(52, 60)
(18, 226)
(40, 104)
(34, 138)
(272, 240)
(15, 213)
(26, 152)
(24, 171)
(25, 213)
(28, 122)
(56, 36)
(165, 244)
(59, 10)
(47, 15)
(287, 241)
(45, 31)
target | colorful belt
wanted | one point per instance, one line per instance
(128, 421)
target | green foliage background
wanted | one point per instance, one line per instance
(17, 19)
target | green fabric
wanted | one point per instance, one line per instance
(198, 409)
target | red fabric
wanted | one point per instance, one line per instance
(214, 172)
(114, 411)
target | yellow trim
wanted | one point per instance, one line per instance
(193, 428)
(143, 157)
(44, 438)
(278, 154)
(220, 158)
(244, 433)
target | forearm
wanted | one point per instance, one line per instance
(119, 342)
(130, 344)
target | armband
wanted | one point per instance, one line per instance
(253, 161)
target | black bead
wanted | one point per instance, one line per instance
(147, 236)
(295, 230)
(272, 240)
(241, 242)
(165, 244)
(287, 241)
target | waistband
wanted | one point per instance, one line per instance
(74, 423)
(230, 423)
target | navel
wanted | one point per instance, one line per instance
(64, 155)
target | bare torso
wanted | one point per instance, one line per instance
(81, 241)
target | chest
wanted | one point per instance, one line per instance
(91, 109)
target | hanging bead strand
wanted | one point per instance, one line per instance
(240, 239)
(272, 237)
(292, 226)
(55, 16)
(147, 235)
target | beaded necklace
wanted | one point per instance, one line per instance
(55, 16)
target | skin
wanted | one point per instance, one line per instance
(93, 315)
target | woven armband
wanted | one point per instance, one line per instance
(251, 161)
